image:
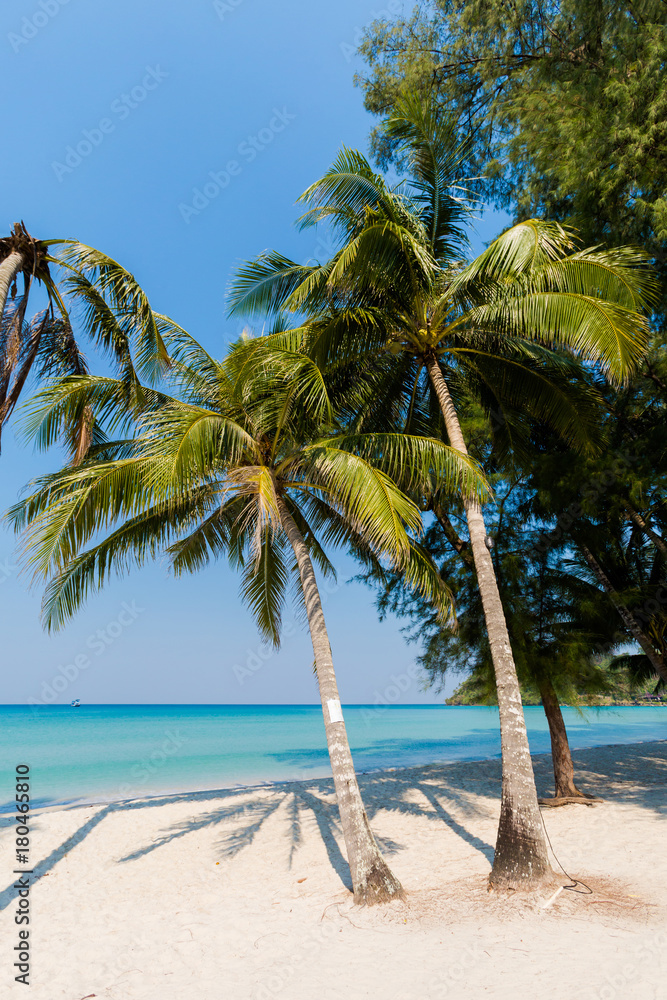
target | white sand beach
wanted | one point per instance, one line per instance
(244, 893)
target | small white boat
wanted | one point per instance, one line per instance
(76, 703)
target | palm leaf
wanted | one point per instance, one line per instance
(265, 284)
(436, 157)
(138, 540)
(127, 299)
(591, 328)
(264, 584)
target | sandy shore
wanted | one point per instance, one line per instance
(244, 893)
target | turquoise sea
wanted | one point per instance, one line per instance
(104, 752)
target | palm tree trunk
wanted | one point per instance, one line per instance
(560, 746)
(626, 616)
(521, 858)
(372, 880)
(643, 526)
(9, 268)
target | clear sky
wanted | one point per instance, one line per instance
(176, 136)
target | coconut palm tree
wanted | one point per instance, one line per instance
(20, 253)
(109, 308)
(505, 328)
(237, 464)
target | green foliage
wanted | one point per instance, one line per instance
(214, 468)
(505, 326)
(510, 331)
(563, 100)
(612, 504)
(98, 298)
(114, 309)
(559, 624)
(561, 620)
(618, 686)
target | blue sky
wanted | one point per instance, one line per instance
(176, 137)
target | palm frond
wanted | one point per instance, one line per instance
(375, 259)
(591, 328)
(134, 543)
(345, 191)
(264, 585)
(621, 275)
(436, 156)
(265, 284)
(520, 250)
(127, 299)
(639, 667)
(101, 323)
(194, 442)
(209, 539)
(69, 507)
(368, 498)
(50, 413)
(422, 576)
(520, 387)
(413, 462)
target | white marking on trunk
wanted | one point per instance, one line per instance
(335, 711)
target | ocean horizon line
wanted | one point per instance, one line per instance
(238, 704)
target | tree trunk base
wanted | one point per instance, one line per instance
(378, 886)
(518, 882)
(566, 789)
(564, 800)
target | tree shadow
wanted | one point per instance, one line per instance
(297, 797)
(43, 867)
(381, 791)
(453, 795)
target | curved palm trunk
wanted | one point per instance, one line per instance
(521, 858)
(560, 746)
(629, 620)
(372, 880)
(9, 268)
(643, 526)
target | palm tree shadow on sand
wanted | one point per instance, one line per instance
(392, 792)
(382, 791)
(447, 796)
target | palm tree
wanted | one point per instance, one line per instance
(237, 464)
(490, 329)
(20, 253)
(109, 308)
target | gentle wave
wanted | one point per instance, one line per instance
(108, 752)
